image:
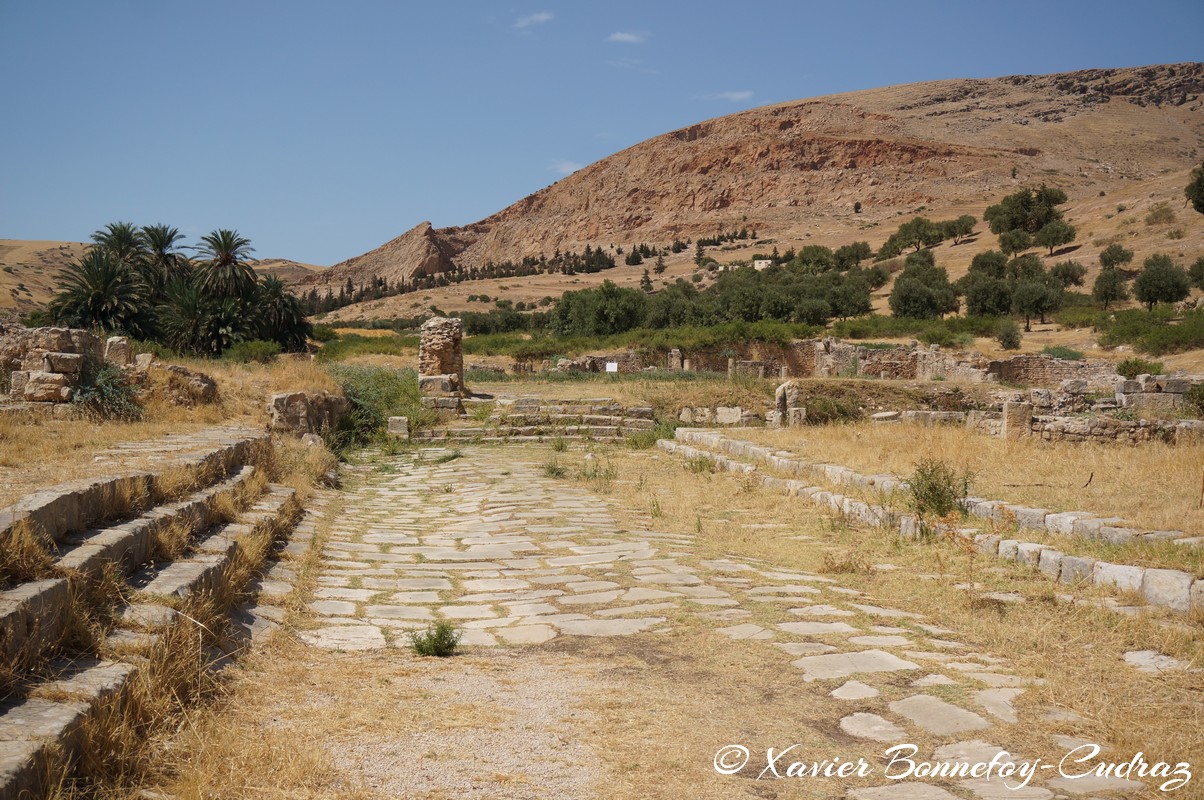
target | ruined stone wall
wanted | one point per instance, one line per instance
(1041, 370)
(45, 365)
(1108, 429)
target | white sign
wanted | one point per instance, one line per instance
(612, 366)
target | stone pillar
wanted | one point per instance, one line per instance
(441, 356)
(731, 367)
(1017, 420)
(784, 372)
(686, 365)
(675, 360)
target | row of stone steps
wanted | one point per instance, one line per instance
(66, 685)
(566, 420)
(507, 433)
(198, 458)
(532, 420)
(1174, 590)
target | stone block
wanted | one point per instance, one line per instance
(1063, 522)
(1050, 562)
(118, 351)
(1029, 553)
(1073, 386)
(1017, 420)
(1197, 597)
(1167, 588)
(1122, 577)
(1176, 385)
(1089, 527)
(729, 415)
(16, 382)
(1117, 535)
(1032, 519)
(45, 387)
(400, 427)
(987, 544)
(434, 385)
(1076, 569)
(1008, 549)
(68, 363)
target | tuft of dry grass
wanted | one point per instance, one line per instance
(24, 556)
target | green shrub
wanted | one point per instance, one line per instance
(700, 464)
(646, 439)
(108, 394)
(324, 334)
(554, 469)
(1160, 214)
(1132, 367)
(375, 394)
(355, 345)
(1193, 399)
(1008, 335)
(440, 640)
(255, 350)
(938, 489)
(159, 351)
(825, 411)
(1065, 353)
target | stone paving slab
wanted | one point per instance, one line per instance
(516, 559)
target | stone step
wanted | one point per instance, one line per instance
(78, 505)
(33, 621)
(562, 420)
(506, 433)
(129, 543)
(207, 569)
(584, 408)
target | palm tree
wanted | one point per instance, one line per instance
(281, 317)
(124, 241)
(100, 291)
(163, 263)
(199, 323)
(224, 271)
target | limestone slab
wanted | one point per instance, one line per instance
(842, 665)
(612, 627)
(871, 726)
(936, 716)
(816, 628)
(854, 690)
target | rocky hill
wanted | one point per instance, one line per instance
(791, 169)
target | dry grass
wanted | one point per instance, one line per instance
(1074, 647)
(24, 556)
(1153, 486)
(36, 453)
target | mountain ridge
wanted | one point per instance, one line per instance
(776, 168)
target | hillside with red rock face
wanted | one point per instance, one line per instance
(782, 170)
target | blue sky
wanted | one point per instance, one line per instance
(323, 129)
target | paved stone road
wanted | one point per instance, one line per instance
(515, 558)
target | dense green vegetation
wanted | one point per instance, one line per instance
(136, 281)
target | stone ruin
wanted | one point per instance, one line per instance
(41, 369)
(441, 357)
(46, 365)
